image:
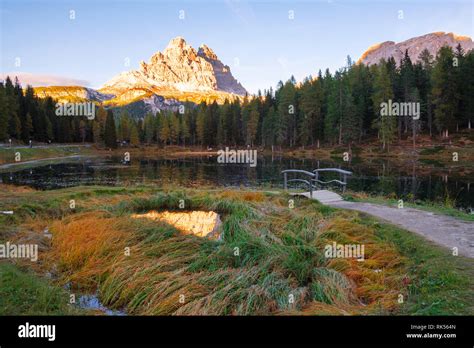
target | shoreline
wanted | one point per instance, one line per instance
(443, 153)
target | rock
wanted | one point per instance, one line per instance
(177, 74)
(180, 68)
(432, 42)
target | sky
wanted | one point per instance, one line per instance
(263, 42)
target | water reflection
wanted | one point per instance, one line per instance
(411, 180)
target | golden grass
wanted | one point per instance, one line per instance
(8, 189)
(84, 243)
(88, 250)
(378, 278)
(243, 196)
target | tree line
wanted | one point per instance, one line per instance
(340, 108)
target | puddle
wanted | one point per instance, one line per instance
(199, 223)
(92, 302)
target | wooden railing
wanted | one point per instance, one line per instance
(313, 181)
(342, 177)
(308, 182)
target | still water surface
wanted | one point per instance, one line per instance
(429, 181)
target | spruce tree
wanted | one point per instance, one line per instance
(134, 138)
(383, 92)
(3, 114)
(110, 135)
(444, 91)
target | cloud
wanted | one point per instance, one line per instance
(43, 80)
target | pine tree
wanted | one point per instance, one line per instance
(124, 126)
(464, 86)
(252, 126)
(149, 126)
(424, 69)
(134, 138)
(12, 109)
(3, 114)
(333, 126)
(467, 73)
(185, 127)
(200, 124)
(27, 128)
(305, 129)
(96, 132)
(98, 125)
(311, 111)
(110, 135)
(269, 127)
(444, 91)
(361, 86)
(165, 131)
(237, 122)
(221, 134)
(287, 107)
(174, 128)
(49, 130)
(383, 92)
(82, 130)
(407, 85)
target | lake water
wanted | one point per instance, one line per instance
(429, 181)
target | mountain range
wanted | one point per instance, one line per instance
(181, 73)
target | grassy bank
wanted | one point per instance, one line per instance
(25, 293)
(426, 149)
(270, 260)
(8, 155)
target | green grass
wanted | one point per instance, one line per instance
(432, 151)
(280, 253)
(7, 155)
(438, 282)
(24, 293)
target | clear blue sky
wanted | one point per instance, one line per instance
(267, 44)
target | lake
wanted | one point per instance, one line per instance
(429, 180)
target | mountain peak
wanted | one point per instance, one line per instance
(180, 69)
(431, 41)
(205, 52)
(177, 44)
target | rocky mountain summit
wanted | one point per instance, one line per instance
(432, 42)
(179, 68)
(178, 74)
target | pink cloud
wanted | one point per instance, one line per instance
(43, 80)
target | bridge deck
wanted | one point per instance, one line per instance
(324, 196)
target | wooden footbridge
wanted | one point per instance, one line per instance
(313, 180)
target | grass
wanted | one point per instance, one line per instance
(438, 283)
(446, 206)
(270, 260)
(7, 155)
(24, 293)
(431, 151)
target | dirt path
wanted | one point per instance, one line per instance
(443, 230)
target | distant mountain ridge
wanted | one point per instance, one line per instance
(432, 42)
(72, 93)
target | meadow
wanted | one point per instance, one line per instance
(269, 259)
